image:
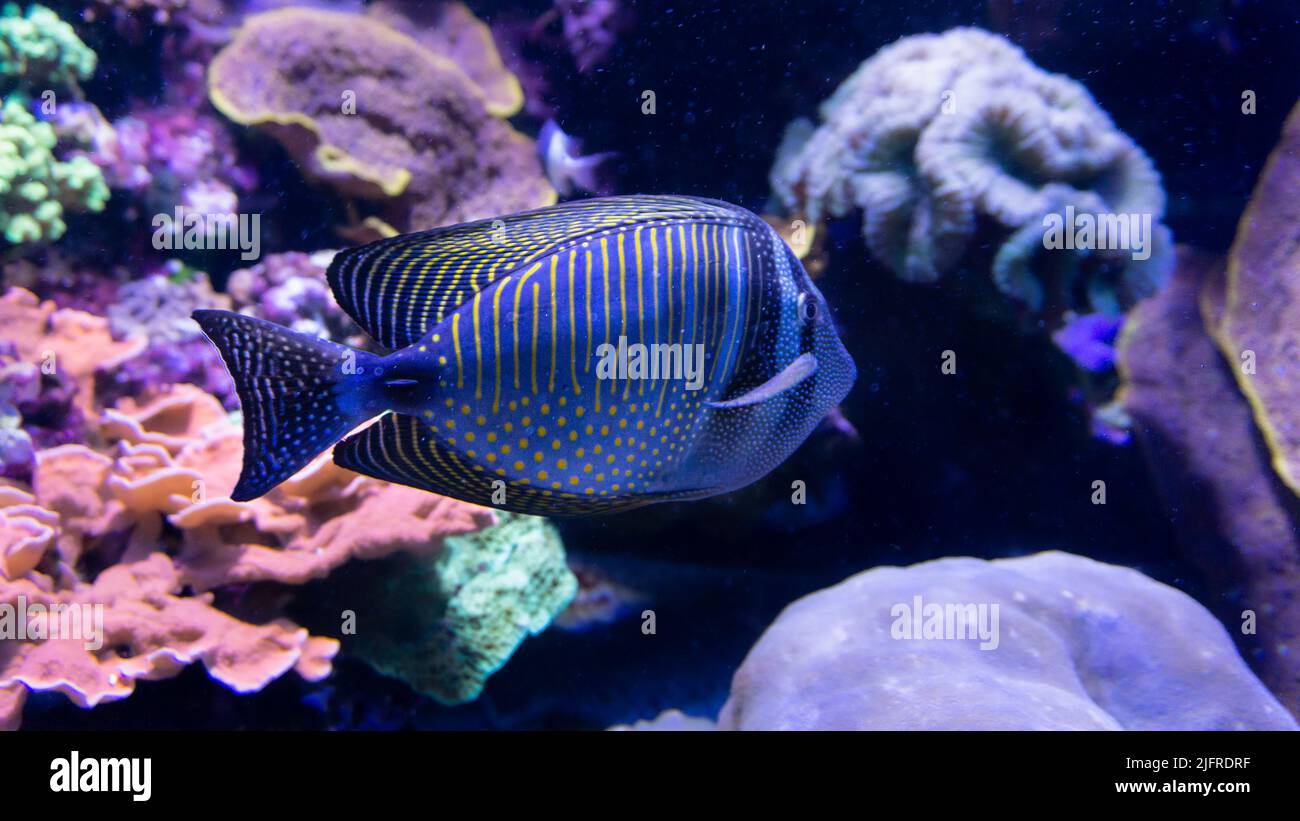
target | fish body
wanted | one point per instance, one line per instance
(589, 357)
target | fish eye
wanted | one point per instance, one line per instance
(807, 308)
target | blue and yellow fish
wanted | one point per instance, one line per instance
(589, 357)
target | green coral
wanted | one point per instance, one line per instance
(445, 624)
(35, 186)
(39, 50)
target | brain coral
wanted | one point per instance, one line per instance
(936, 133)
(1079, 645)
(371, 111)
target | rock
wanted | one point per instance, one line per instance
(1070, 644)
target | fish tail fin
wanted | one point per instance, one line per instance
(300, 394)
(595, 173)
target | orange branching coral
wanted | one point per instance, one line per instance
(169, 419)
(26, 532)
(85, 541)
(134, 626)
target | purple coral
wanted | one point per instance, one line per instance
(36, 412)
(290, 289)
(171, 155)
(159, 307)
(1089, 339)
(66, 282)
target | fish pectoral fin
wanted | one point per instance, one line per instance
(804, 366)
(405, 450)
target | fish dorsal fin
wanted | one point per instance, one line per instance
(398, 288)
(402, 449)
(804, 366)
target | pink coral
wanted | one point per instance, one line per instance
(74, 343)
(150, 632)
(140, 521)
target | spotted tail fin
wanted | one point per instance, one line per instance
(300, 394)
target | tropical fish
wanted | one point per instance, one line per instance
(566, 168)
(504, 389)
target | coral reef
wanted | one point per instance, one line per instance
(39, 51)
(936, 134)
(73, 344)
(1089, 340)
(157, 308)
(138, 519)
(290, 289)
(1260, 314)
(446, 624)
(1235, 517)
(377, 115)
(66, 281)
(1078, 645)
(168, 155)
(1205, 367)
(451, 30)
(36, 188)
